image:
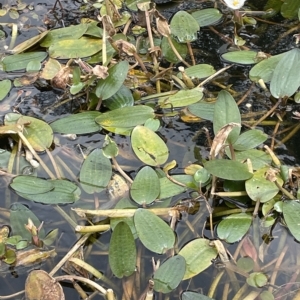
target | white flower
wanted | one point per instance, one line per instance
(234, 4)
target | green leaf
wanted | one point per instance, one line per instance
(289, 9)
(199, 71)
(203, 109)
(207, 17)
(194, 296)
(264, 69)
(226, 111)
(145, 187)
(148, 146)
(19, 215)
(257, 279)
(18, 62)
(122, 251)
(128, 116)
(181, 98)
(169, 188)
(64, 192)
(228, 169)
(168, 53)
(75, 48)
(95, 172)
(198, 255)
(259, 158)
(110, 148)
(33, 66)
(169, 274)
(184, 27)
(31, 185)
(259, 188)
(123, 97)
(234, 227)
(250, 139)
(66, 33)
(5, 86)
(80, 123)
(112, 83)
(291, 213)
(285, 80)
(245, 57)
(153, 232)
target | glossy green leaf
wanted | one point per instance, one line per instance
(64, 192)
(169, 274)
(112, 83)
(31, 185)
(181, 98)
(259, 158)
(234, 227)
(168, 53)
(202, 109)
(33, 66)
(145, 187)
(169, 188)
(244, 57)
(198, 255)
(122, 251)
(75, 48)
(257, 279)
(110, 148)
(18, 62)
(29, 43)
(148, 146)
(155, 234)
(65, 33)
(80, 123)
(95, 172)
(226, 111)
(152, 124)
(291, 213)
(194, 296)
(285, 80)
(128, 116)
(184, 27)
(259, 188)
(199, 71)
(264, 69)
(19, 215)
(289, 8)
(250, 139)
(228, 169)
(5, 86)
(123, 97)
(207, 17)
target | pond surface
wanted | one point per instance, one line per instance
(271, 247)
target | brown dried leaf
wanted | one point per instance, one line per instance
(100, 71)
(61, 79)
(125, 47)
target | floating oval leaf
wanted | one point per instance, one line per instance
(5, 86)
(169, 188)
(194, 296)
(198, 255)
(207, 17)
(31, 185)
(259, 188)
(250, 139)
(128, 116)
(203, 109)
(228, 169)
(169, 274)
(168, 52)
(153, 232)
(226, 111)
(291, 213)
(20, 61)
(285, 80)
(199, 71)
(234, 227)
(145, 187)
(80, 123)
(123, 97)
(122, 251)
(245, 57)
(112, 83)
(181, 98)
(257, 279)
(148, 146)
(184, 27)
(75, 48)
(95, 172)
